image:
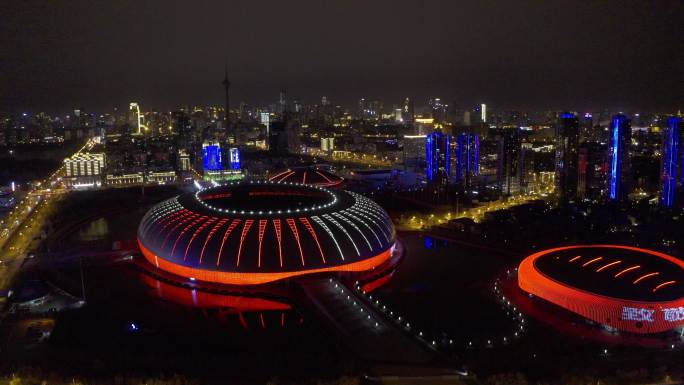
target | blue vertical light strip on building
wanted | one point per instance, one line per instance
(447, 155)
(614, 159)
(670, 160)
(476, 160)
(468, 154)
(459, 156)
(428, 155)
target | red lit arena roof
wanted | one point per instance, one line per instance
(624, 287)
(255, 232)
(308, 175)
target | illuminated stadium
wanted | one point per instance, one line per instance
(247, 233)
(624, 288)
(307, 175)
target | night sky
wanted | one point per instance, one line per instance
(58, 55)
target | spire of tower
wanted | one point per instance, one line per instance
(226, 85)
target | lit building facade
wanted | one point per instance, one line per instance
(84, 170)
(438, 157)
(672, 162)
(619, 176)
(467, 156)
(211, 156)
(567, 153)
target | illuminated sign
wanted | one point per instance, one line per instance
(674, 314)
(637, 314)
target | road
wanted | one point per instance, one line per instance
(22, 228)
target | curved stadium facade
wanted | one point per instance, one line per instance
(246, 233)
(626, 288)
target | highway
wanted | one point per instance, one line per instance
(21, 229)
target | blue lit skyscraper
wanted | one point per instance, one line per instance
(438, 157)
(619, 174)
(467, 156)
(671, 161)
(211, 156)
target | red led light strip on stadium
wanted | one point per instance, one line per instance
(600, 269)
(185, 230)
(575, 258)
(274, 177)
(276, 225)
(662, 285)
(592, 261)
(245, 230)
(293, 227)
(194, 235)
(262, 229)
(645, 276)
(237, 278)
(627, 270)
(210, 235)
(174, 228)
(229, 230)
(313, 234)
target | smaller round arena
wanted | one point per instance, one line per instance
(626, 288)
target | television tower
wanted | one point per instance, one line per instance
(226, 85)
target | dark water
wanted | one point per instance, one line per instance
(444, 289)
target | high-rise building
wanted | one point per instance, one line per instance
(567, 153)
(408, 114)
(211, 156)
(467, 157)
(234, 158)
(328, 145)
(619, 175)
(184, 160)
(483, 113)
(508, 159)
(135, 118)
(438, 158)
(672, 162)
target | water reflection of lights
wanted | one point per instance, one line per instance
(193, 297)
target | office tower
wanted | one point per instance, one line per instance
(671, 161)
(438, 158)
(328, 145)
(413, 152)
(408, 111)
(508, 159)
(567, 152)
(184, 160)
(586, 128)
(619, 175)
(483, 112)
(282, 102)
(211, 156)
(467, 157)
(135, 118)
(439, 110)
